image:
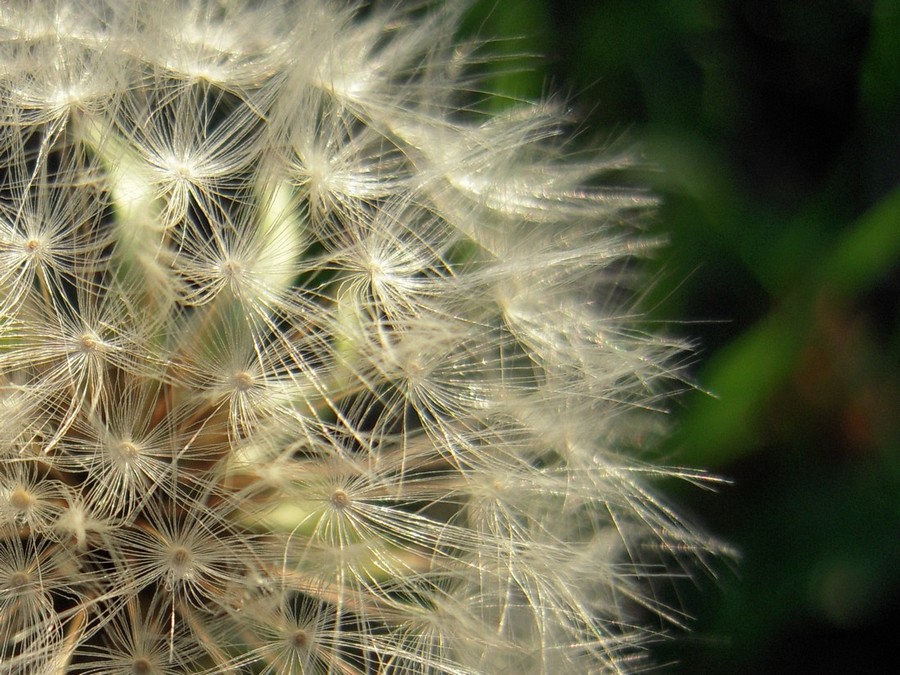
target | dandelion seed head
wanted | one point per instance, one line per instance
(311, 363)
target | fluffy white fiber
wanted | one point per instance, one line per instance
(307, 363)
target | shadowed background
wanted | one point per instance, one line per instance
(771, 131)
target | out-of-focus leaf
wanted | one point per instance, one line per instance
(741, 376)
(868, 250)
(880, 77)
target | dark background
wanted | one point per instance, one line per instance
(771, 131)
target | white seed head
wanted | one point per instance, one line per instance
(309, 363)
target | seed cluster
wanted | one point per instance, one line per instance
(308, 363)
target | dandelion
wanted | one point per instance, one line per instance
(309, 364)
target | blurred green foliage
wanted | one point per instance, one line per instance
(771, 130)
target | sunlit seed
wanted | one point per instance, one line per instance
(88, 343)
(232, 268)
(340, 499)
(181, 559)
(141, 666)
(300, 639)
(128, 450)
(20, 499)
(18, 581)
(242, 380)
